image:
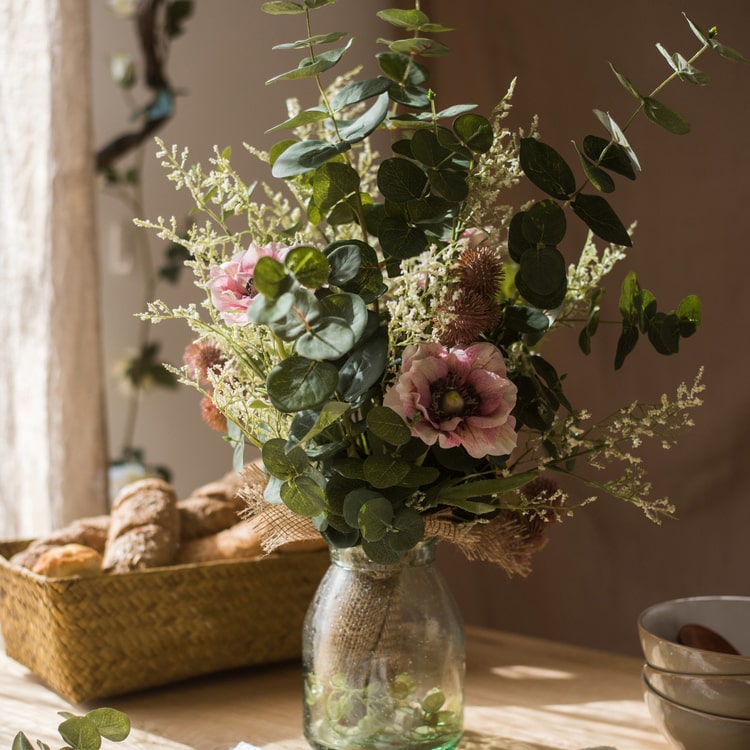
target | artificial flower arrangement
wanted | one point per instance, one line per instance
(374, 324)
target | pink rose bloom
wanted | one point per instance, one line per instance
(231, 284)
(457, 397)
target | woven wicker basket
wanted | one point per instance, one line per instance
(90, 638)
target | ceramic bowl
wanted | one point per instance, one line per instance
(688, 729)
(725, 695)
(729, 616)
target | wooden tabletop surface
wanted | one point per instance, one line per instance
(521, 694)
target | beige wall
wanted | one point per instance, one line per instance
(606, 563)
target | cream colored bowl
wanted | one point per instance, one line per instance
(729, 616)
(694, 730)
(725, 695)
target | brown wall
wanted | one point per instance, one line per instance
(691, 202)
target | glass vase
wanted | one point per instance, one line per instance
(383, 656)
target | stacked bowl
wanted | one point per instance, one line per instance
(697, 674)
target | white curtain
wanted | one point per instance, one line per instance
(52, 439)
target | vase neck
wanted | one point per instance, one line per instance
(355, 558)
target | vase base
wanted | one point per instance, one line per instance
(444, 742)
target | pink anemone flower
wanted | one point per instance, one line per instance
(231, 283)
(457, 396)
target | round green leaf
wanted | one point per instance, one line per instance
(608, 155)
(597, 214)
(400, 180)
(304, 156)
(542, 277)
(474, 131)
(368, 283)
(309, 266)
(281, 462)
(367, 122)
(271, 278)
(331, 338)
(80, 733)
(112, 724)
(374, 518)
(668, 118)
(298, 383)
(544, 223)
(408, 529)
(300, 316)
(353, 501)
(689, 313)
(345, 262)
(332, 183)
(348, 307)
(449, 183)
(426, 149)
(388, 426)
(402, 68)
(385, 471)
(303, 496)
(363, 368)
(399, 239)
(357, 91)
(546, 168)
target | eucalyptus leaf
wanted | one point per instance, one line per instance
(354, 500)
(330, 339)
(357, 91)
(617, 136)
(608, 155)
(282, 7)
(414, 97)
(367, 123)
(544, 223)
(271, 278)
(474, 131)
(298, 383)
(598, 215)
(662, 115)
(411, 20)
(402, 69)
(421, 46)
(348, 307)
(664, 333)
(112, 724)
(374, 518)
(542, 277)
(303, 496)
(21, 742)
(306, 117)
(80, 733)
(304, 156)
(311, 67)
(309, 266)
(426, 149)
(385, 471)
(451, 184)
(399, 239)
(544, 166)
(368, 283)
(408, 529)
(329, 38)
(625, 343)
(400, 180)
(689, 313)
(626, 83)
(388, 426)
(683, 68)
(331, 413)
(345, 262)
(283, 461)
(364, 368)
(596, 176)
(302, 314)
(485, 487)
(381, 552)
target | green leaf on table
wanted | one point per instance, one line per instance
(298, 383)
(80, 733)
(546, 168)
(599, 217)
(662, 115)
(112, 724)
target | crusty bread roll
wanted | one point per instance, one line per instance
(90, 532)
(237, 542)
(68, 560)
(201, 516)
(144, 530)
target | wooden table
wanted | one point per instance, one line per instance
(521, 694)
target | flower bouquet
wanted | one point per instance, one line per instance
(374, 324)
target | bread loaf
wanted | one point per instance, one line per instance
(237, 542)
(144, 530)
(68, 560)
(201, 516)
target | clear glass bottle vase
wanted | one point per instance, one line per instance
(383, 656)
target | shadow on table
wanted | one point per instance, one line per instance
(478, 741)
